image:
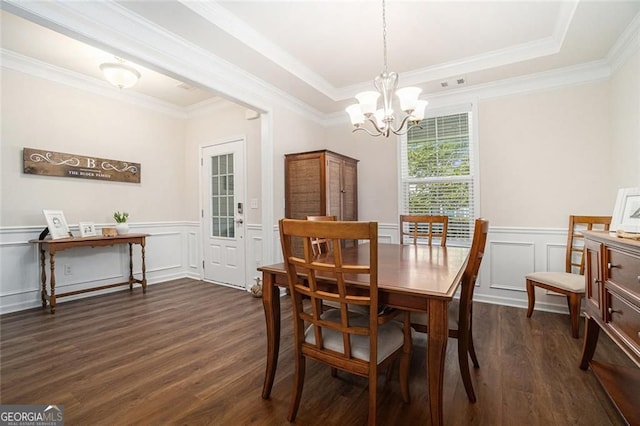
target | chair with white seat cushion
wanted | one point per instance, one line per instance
(571, 282)
(358, 343)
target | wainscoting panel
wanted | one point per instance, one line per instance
(19, 275)
(520, 258)
(556, 254)
(511, 254)
(173, 250)
(254, 253)
(388, 233)
(193, 260)
(166, 257)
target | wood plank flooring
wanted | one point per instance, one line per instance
(192, 353)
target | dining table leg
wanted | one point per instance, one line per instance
(438, 334)
(271, 305)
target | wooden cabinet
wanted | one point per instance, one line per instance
(612, 278)
(321, 183)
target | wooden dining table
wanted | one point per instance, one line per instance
(412, 277)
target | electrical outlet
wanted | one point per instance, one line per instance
(67, 269)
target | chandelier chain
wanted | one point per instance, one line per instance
(384, 34)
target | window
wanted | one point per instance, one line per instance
(439, 171)
(222, 196)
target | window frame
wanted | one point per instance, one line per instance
(470, 107)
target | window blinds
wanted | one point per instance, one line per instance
(437, 173)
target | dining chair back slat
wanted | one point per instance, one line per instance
(424, 227)
(321, 245)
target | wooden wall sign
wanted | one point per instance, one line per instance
(49, 163)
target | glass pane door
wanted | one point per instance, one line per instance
(222, 196)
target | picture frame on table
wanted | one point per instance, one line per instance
(57, 224)
(626, 213)
(87, 229)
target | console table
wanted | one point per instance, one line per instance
(53, 246)
(612, 277)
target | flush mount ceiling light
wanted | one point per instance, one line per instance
(382, 119)
(120, 74)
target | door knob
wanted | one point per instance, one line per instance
(239, 221)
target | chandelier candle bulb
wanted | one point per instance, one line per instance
(355, 114)
(418, 112)
(368, 102)
(408, 98)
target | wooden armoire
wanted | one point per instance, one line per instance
(321, 183)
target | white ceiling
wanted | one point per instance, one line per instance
(323, 52)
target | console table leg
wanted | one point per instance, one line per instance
(52, 281)
(43, 279)
(144, 268)
(130, 266)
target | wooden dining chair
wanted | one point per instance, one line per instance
(571, 282)
(320, 245)
(461, 311)
(345, 340)
(424, 226)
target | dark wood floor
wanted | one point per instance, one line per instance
(192, 353)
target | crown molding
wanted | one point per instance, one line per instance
(547, 80)
(531, 83)
(112, 27)
(219, 16)
(626, 45)
(27, 65)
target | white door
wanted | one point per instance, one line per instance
(223, 208)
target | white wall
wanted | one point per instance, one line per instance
(377, 170)
(546, 155)
(625, 123)
(40, 114)
(214, 124)
(292, 133)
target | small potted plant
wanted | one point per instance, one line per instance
(121, 222)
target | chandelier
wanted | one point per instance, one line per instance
(382, 119)
(120, 74)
